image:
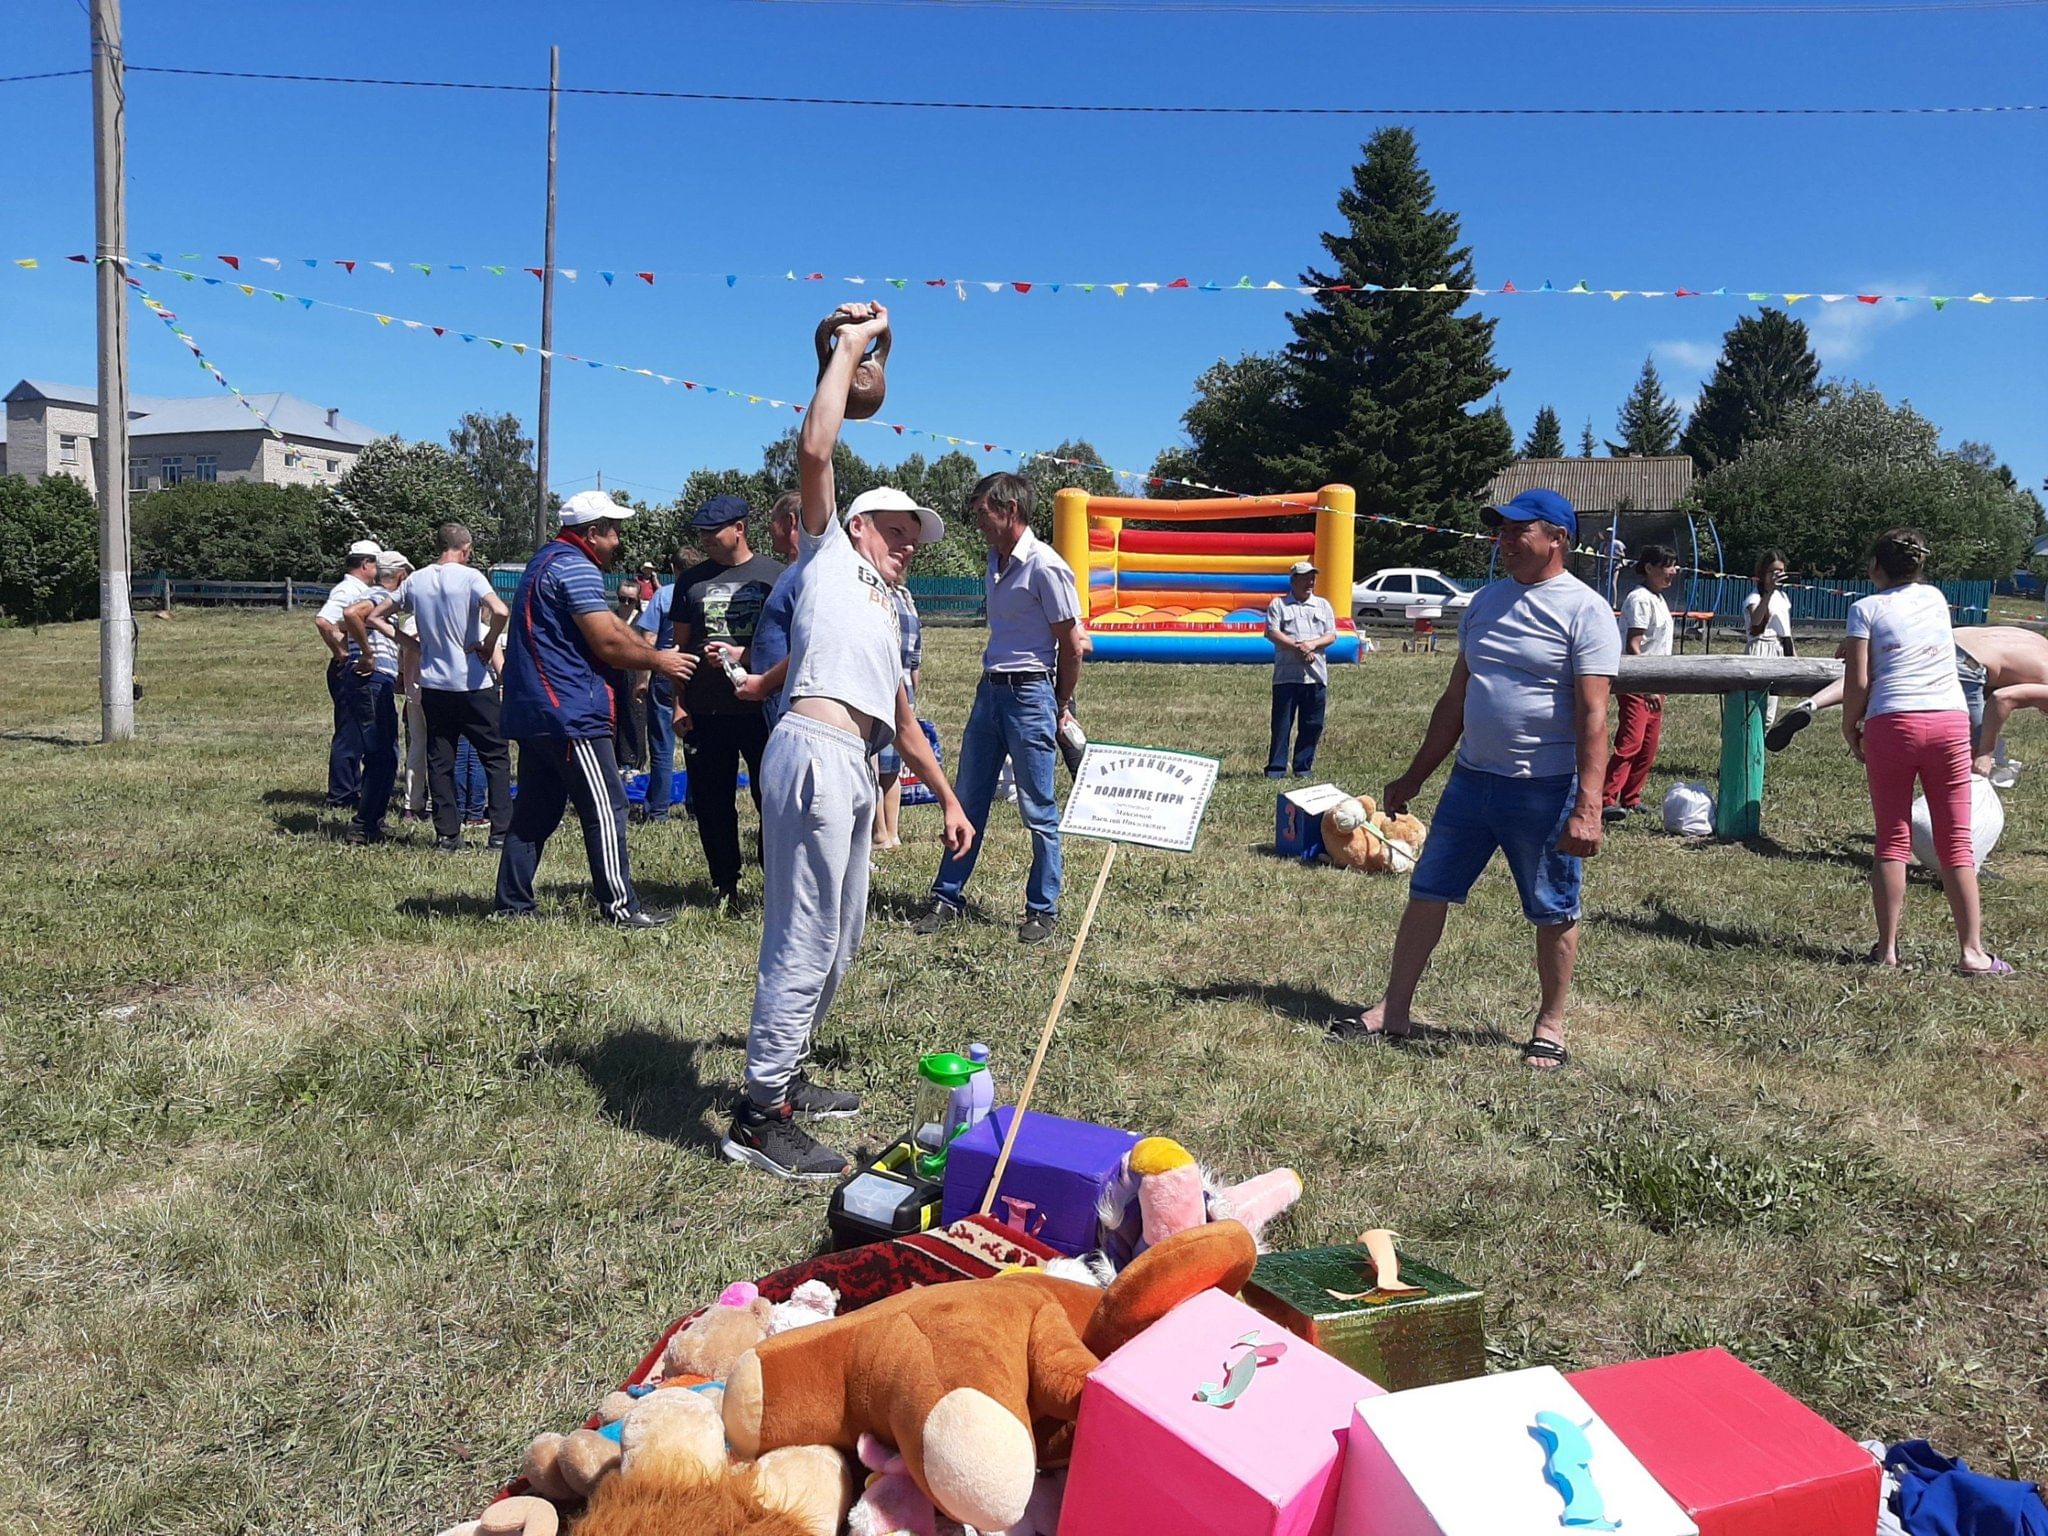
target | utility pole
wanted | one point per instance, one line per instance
(547, 313)
(110, 212)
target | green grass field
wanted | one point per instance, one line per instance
(323, 1194)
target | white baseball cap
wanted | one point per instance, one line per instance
(886, 498)
(589, 507)
(391, 560)
(363, 547)
(1302, 568)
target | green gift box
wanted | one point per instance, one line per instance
(1398, 1339)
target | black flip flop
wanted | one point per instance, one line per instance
(1351, 1028)
(1545, 1050)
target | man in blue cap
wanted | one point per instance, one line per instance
(562, 663)
(1526, 710)
(712, 611)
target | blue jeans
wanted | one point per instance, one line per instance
(470, 794)
(1290, 700)
(371, 731)
(1022, 724)
(1523, 818)
(345, 754)
(661, 746)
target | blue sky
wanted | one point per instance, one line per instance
(1914, 204)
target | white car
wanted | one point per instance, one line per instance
(1385, 597)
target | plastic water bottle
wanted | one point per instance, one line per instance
(972, 1103)
(1073, 742)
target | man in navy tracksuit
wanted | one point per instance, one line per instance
(566, 649)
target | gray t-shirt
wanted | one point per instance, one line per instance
(447, 602)
(844, 641)
(1033, 591)
(1311, 618)
(1526, 647)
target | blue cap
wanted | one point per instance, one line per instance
(1537, 506)
(720, 510)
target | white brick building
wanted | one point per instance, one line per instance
(51, 428)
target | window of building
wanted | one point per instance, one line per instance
(291, 458)
(334, 466)
(67, 448)
(172, 469)
(206, 466)
(138, 474)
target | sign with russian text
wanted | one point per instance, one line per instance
(1143, 795)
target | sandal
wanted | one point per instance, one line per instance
(1871, 958)
(1540, 1049)
(1352, 1027)
(1997, 970)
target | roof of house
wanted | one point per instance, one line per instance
(154, 415)
(1599, 485)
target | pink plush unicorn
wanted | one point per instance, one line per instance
(1161, 1190)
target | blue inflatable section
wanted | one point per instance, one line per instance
(1136, 583)
(1122, 645)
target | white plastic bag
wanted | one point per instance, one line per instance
(1689, 810)
(1987, 821)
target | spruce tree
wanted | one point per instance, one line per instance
(1766, 371)
(1385, 384)
(1648, 420)
(1586, 439)
(1546, 437)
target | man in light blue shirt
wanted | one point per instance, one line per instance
(1302, 627)
(1030, 669)
(1526, 709)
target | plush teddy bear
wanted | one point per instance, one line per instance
(892, 1504)
(740, 1319)
(676, 1480)
(1159, 1189)
(976, 1382)
(812, 1302)
(1358, 835)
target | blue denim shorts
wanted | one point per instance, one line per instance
(1523, 818)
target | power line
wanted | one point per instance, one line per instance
(48, 74)
(1169, 110)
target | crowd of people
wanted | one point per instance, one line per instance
(803, 666)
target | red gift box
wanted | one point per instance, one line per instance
(1742, 1457)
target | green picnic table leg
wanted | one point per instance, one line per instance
(1740, 810)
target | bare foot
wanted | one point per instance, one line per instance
(1878, 956)
(1374, 1022)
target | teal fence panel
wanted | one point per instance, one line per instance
(1825, 603)
(949, 599)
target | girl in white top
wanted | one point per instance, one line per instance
(1767, 616)
(1639, 718)
(1905, 718)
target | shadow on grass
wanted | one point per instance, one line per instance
(1657, 920)
(1313, 1006)
(1847, 858)
(647, 1082)
(309, 824)
(666, 895)
(44, 739)
(558, 902)
(313, 797)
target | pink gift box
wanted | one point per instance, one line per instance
(1151, 1456)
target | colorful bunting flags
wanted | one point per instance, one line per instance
(170, 320)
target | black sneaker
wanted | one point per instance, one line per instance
(1790, 724)
(772, 1141)
(496, 843)
(358, 836)
(940, 915)
(814, 1101)
(1613, 813)
(638, 922)
(1036, 928)
(447, 845)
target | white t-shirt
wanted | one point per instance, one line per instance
(1912, 650)
(1646, 610)
(448, 603)
(1778, 625)
(845, 641)
(1309, 619)
(341, 597)
(1526, 648)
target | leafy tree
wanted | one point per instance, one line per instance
(1240, 412)
(1649, 418)
(49, 550)
(234, 530)
(1766, 371)
(499, 457)
(1546, 437)
(1381, 387)
(398, 493)
(1586, 439)
(1847, 467)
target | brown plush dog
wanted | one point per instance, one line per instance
(974, 1382)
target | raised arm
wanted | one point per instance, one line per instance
(827, 413)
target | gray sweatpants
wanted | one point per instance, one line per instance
(817, 823)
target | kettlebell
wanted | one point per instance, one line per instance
(864, 395)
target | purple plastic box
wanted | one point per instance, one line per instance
(1056, 1172)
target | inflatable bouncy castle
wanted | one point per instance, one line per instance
(1180, 592)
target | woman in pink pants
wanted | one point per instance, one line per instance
(1904, 716)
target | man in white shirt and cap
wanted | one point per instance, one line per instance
(354, 704)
